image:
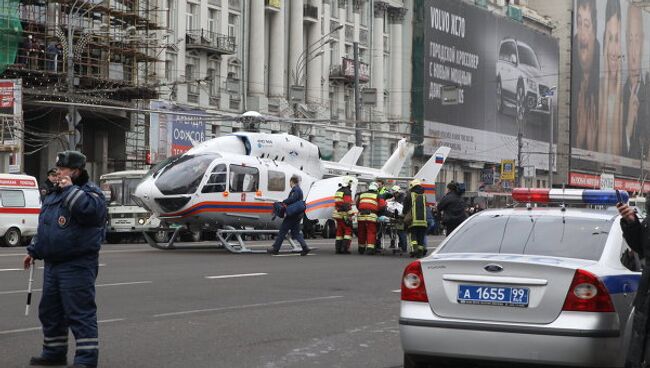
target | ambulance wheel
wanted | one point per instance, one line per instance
(12, 237)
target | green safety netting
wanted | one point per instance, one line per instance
(10, 32)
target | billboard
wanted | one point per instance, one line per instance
(11, 119)
(174, 134)
(609, 85)
(504, 72)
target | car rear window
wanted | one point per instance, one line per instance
(554, 236)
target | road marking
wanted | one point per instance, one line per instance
(396, 291)
(30, 329)
(246, 306)
(40, 268)
(236, 276)
(98, 285)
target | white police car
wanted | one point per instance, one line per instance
(526, 285)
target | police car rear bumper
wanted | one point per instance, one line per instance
(574, 338)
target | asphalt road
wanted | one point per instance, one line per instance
(209, 308)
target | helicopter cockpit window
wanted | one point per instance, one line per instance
(277, 181)
(217, 181)
(184, 175)
(244, 179)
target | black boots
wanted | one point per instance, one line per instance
(345, 249)
(338, 245)
(40, 361)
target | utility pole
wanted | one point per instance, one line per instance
(71, 109)
(520, 145)
(358, 138)
(550, 144)
(642, 176)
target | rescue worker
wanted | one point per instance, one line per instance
(71, 229)
(343, 213)
(637, 236)
(399, 196)
(415, 212)
(452, 207)
(369, 205)
(291, 223)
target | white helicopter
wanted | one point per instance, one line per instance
(231, 182)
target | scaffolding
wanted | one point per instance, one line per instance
(115, 48)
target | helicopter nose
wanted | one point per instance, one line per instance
(143, 193)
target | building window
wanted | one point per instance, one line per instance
(191, 77)
(192, 17)
(365, 13)
(171, 15)
(170, 67)
(350, 11)
(214, 81)
(233, 26)
(467, 177)
(214, 17)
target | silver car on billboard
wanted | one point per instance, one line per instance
(545, 286)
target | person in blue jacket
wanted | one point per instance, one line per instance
(71, 229)
(291, 223)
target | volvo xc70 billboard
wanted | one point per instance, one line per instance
(504, 72)
(609, 85)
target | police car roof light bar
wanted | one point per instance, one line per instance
(583, 196)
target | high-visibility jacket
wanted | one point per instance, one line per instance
(369, 205)
(343, 203)
(418, 209)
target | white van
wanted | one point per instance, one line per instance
(20, 204)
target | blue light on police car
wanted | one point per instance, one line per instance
(606, 197)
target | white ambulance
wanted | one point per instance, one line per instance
(20, 204)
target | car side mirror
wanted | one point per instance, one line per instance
(513, 59)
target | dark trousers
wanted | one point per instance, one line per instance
(451, 225)
(418, 233)
(292, 225)
(68, 302)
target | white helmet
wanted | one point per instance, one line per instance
(373, 186)
(346, 181)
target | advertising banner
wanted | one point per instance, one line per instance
(507, 169)
(504, 72)
(174, 134)
(610, 111)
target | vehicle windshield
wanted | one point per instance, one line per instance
(527, 56)
(183, 175)
(553, 236)
(155, 169)
(130, 185)
(114, 188)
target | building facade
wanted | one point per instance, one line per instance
(293, 60)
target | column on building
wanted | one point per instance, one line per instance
(315, 58)
(276, 63)
(256, 49)
(296, 41)
(396, 90)
(377, 67)
(327, 56)
(339, 53)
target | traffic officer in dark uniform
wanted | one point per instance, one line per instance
(71, 229)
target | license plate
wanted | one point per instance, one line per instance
(491, 295)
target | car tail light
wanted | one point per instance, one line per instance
(587, 294)
(413, 289)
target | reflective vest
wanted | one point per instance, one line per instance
(369, 201)
(418, 210)
(342, 203)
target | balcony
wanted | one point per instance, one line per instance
(310, 13)
(273, 5)
(211, 42)
(345, 71)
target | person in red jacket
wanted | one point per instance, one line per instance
(369, 204)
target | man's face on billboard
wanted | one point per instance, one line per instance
(634, 41)
(586, 37)
(613, 42)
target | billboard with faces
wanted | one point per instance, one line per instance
(609, 87)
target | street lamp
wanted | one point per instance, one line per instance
(304, 57)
